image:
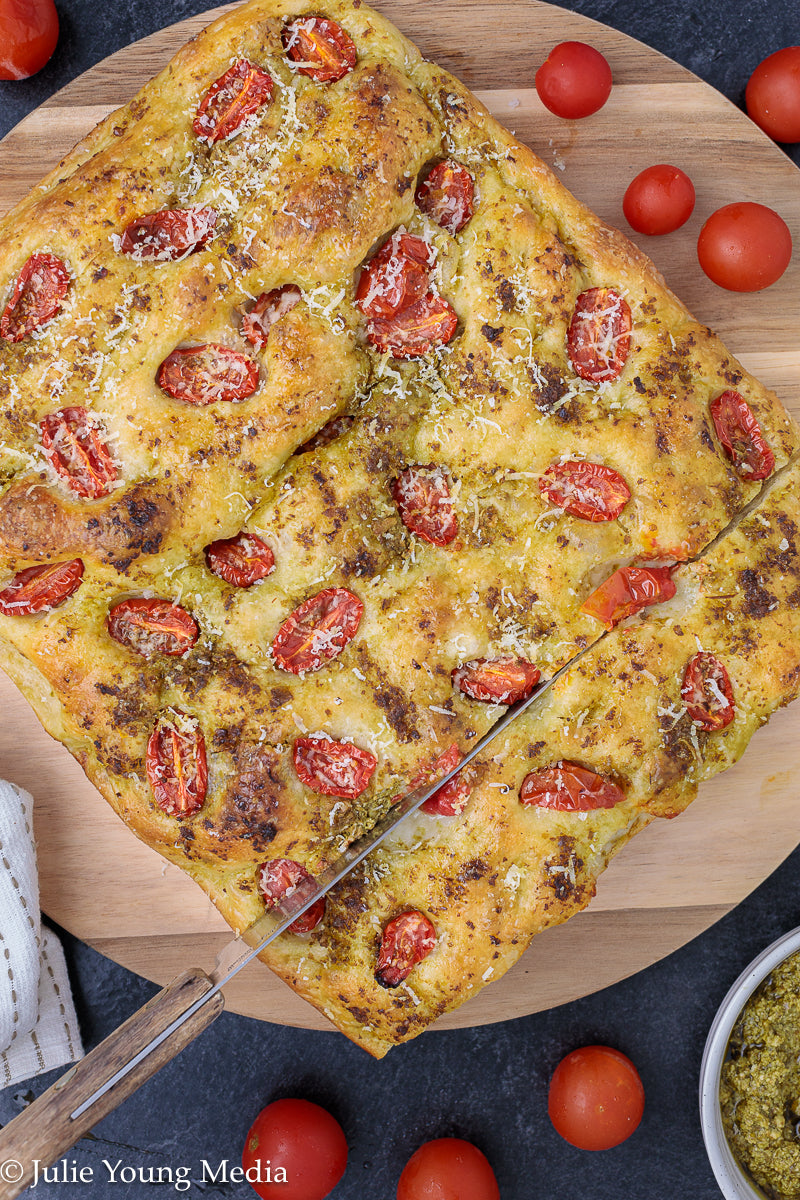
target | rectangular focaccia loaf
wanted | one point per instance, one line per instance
(433, 433)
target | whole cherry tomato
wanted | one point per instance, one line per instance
(574, 80)
(773, 95)
(659, 200)
(28, 36)
(596, 1098)
(744, 247)
(448, 1169)
(295, 1150)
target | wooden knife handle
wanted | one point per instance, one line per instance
(45, 1130)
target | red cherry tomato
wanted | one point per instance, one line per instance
(38, 589)
(36, 297)
(659, 200)
(204, 374)
(176, 764)
(333, 768)
(422, 496)
(574, 80)
(598, 338)
(627, 591)
(317, 631)
(28, 36)
(75, 450)
(446, 196)
(241, 560)
(707, 693)
(295, 1150)
(321, 48)
(269, 308)
(278, 879)
(596, 1098)
(744, 247)
(741, 436)
(451, 799)
(496, 680)
(773, 95)
(567, 787)
(151, 627)
(230, 100)
(448, 1169)
(169, 234)
(407, 939)
(396, 276)
(587, 490)
(415, 330)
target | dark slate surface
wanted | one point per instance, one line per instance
(488, 1084)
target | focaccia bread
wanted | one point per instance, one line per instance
(332, 422)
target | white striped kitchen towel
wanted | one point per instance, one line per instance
(38, 1028)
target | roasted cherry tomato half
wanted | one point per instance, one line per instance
(295, 1150)
(231, 99)
(241, 560)
(407, 939)
(75, 450)
(448, 1169)
(204, 374)
(574, 80)
(587, 490)
(176, 764)
(598, 339)
(707, 693)
(447, 195)
(39, 589)
(627, 591)
(331, 430)
(422, 496)
(317, 631)
(773, 95)
(278, 879)
(395, 277)
(741, 436)
(36, 296)
(320, 48)
(496, 680)
(568, 787)
(169, 234)
(744, 247)
(28, 36)
(333, 768)
(659, 200)
(415, 330)
(269, 308)
(596, 1098)
(451, 799)
(152, 627)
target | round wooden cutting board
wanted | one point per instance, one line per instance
(675, 879)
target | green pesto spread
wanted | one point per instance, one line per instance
(760, 1084)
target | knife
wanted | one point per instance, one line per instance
(175, 1016)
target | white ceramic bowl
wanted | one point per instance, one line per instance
(733, 1182)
